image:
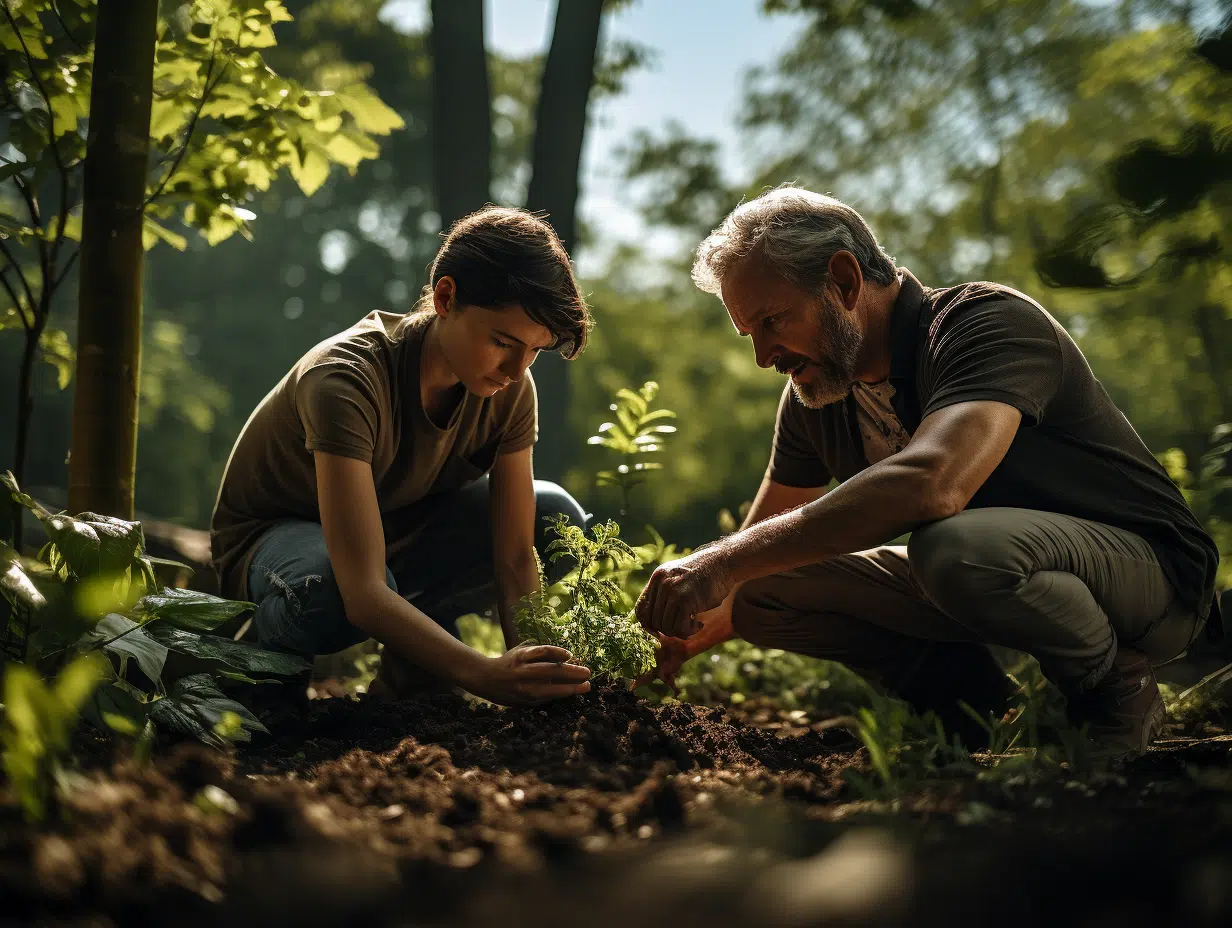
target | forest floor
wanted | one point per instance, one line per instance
(605, 810)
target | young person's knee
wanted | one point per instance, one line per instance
(303, 611)
(552, 499)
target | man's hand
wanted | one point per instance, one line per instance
(528, 675)
(680, 591)
(673, 652)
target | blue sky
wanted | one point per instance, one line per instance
(703, 48)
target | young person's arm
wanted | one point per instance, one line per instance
(355, 541)
(772, 499)
(512, 496)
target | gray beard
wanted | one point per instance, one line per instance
(838, 346)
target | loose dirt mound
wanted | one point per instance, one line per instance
(605, 811)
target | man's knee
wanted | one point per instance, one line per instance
(969, 554)
(751, 620)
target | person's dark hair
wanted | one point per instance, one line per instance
(501, 257)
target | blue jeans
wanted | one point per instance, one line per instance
(446, 571)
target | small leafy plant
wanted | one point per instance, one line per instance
(92, 600)
(588, 612)
(40, 720)
(638, 433)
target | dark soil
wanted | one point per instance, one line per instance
(602, 810)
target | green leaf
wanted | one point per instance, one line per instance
(56, 350)
(241, 678)
(9, 169)
(368, 110)
(167, 562)
(123, 637)
(114, 707)
(627, 422)
(233, 655)
(311, 173)
(655, 416)
(16, 584)
(196, 707)
(636, 404)
(77, 681)
(189, 609)
(152, 233)
(93, 544)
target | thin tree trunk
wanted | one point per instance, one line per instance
(25, 413)
(556, 162)
(102, 462)
(461, 109)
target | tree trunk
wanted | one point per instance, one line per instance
(461, 109)
(25, 413)
(102, 462)
(556, 161)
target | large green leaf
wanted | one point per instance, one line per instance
(196, 707)
(35, 605)
(92, 544)
(123, 637)
(16, 581)
(233, 655)
(114, 707)
(188, 609)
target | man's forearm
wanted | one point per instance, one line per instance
(878, 504)
(514, 582)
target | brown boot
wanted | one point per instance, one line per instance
(1124, 712)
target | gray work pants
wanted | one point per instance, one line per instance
(1065, 590)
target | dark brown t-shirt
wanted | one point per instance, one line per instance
(1075, 453)
(357, 395)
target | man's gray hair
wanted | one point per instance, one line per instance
(797, 232)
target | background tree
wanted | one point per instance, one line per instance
(223, 127)
(101, 469)
(461, 109)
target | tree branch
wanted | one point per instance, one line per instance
(68, 266)
(55, 8)
(46, 259)
(9, 288)
(206, 90)
(25, 284)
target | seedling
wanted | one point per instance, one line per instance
(588, 612)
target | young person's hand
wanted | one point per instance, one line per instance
(529, 675)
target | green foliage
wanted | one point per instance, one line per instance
(587, 612)
(484, 636)
(39, 719)
(196, 707)
(92, 599)
(736, 671)
(224, 127)
(638, 432)
(1206, 492)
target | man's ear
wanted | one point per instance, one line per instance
(444, 296)
(846, 277)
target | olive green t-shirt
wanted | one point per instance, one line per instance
(1075, 453)
(357, 395)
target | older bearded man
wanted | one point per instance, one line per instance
(969, 418)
